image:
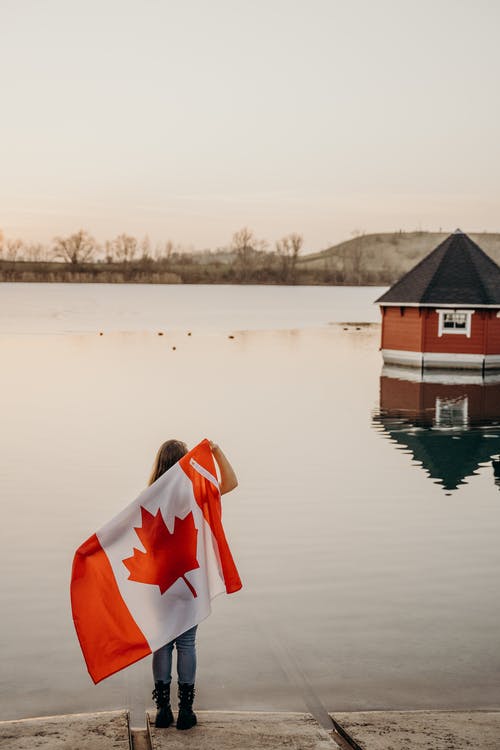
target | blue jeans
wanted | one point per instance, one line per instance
(186, 659)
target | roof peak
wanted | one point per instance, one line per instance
(457, 271)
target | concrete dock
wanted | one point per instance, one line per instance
(420, 730)
(232, 730)
(100, 731)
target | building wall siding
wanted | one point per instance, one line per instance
(455, 342)
(493, 339)
(417, 330)
(402, 331)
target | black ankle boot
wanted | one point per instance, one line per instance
(161, 696)
(186, 717)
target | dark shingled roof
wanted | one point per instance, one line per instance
(457, 272)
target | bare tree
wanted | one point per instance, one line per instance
(245, 246)
(283, 252)
(35, 252)
(164, 250)
(296, 242)
(146, 247)
(356, 257)
(287, 250)
(109, 252)
(14, 249)
(243, 241)
(125, 247)
(80, 247)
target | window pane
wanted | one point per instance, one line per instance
(455, 320)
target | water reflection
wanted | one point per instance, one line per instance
(448, 422)
(359, 587)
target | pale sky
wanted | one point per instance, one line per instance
(188, 119)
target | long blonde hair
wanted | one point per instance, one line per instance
(168, 454)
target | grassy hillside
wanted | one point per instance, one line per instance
(385, 256)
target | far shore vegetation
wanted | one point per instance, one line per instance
(365, 259)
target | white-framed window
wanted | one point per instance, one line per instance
(452, 412)
(454, 321)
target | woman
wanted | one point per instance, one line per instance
(169, 453)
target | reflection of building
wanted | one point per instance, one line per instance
(450, 427)
(445, 312)
(496, 471)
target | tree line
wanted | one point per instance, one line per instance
(246, 259)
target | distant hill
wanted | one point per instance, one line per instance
(368, 259)
(386, 256)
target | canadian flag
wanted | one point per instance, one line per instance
(151, 572)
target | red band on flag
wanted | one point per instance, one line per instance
(208, 498)
(109, 636)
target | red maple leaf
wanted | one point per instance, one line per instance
(168, 556)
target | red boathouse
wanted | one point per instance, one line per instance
(445, 312)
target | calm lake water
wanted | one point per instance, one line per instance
(365, 527)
